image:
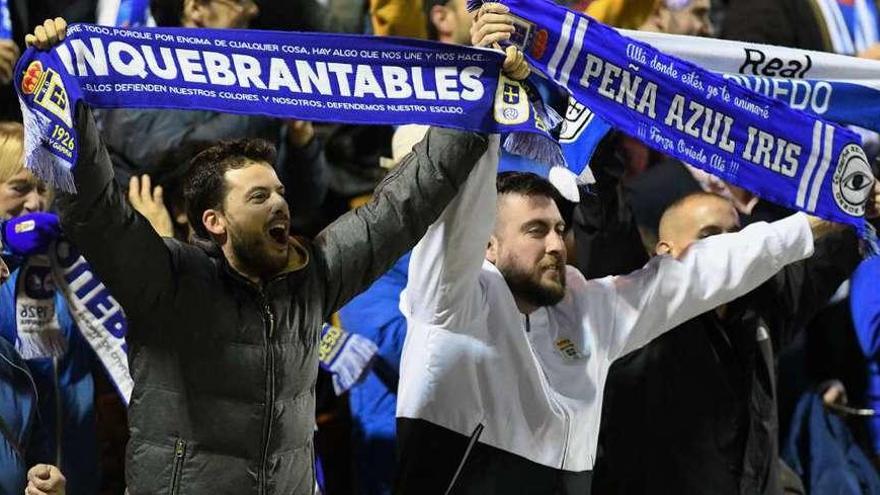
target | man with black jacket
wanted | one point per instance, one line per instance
(223, 340)
(695, 410)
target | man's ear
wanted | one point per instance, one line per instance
(663, 247)
(193, 13)
(439, 17)
(214, 222)
(492, 249)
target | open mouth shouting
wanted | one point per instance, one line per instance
(278, 230)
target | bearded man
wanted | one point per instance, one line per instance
(223, 338)
(508, 349)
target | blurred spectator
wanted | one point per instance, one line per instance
(18, 406)
(688, 17)
(865, 306)
(708, 386)
(375, 314)
(822, 451)
(338, 16)
(626, 14)
(35, 318)
(160, 142)
(803, 24)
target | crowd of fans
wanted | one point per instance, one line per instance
(302, 319)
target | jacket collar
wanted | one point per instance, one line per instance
(298, 258)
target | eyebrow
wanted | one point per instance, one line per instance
(279, 187)
(541, 223)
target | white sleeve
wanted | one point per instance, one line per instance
(668, 291)
(443, 283)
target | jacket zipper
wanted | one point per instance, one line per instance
(270, 394)
(58, 412)
(179, 452)
(567, 419)
(475, 436)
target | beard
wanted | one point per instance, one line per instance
(530, 285)
(254, 254)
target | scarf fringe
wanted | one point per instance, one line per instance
(474, 5)
(39, 160)
(536, 147)
(49, 342)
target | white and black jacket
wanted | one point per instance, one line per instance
(534, 382)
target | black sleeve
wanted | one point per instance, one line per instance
(800, 290)
(125, 251)
(608, 240)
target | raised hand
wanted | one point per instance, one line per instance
(493, 25)
(148, 201)
(48, 34)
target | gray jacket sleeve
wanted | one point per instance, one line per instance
(125, 251)
(362, 244)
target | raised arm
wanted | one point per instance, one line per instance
(802, 289)
(445, 265)
(362, 244)
(714, 271)
(124, 250)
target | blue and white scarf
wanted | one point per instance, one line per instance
(338, 78)
(852, 25)
(98, 316)
(838, 88)
(782, 154)
(62, 273)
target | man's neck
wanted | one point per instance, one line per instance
(237, 266)
(524, 306)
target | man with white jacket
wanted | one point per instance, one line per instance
(508, 348)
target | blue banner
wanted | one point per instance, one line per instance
(786, 156)
(322, 77)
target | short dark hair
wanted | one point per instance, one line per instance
(167, 13)
(526, 184)
(204, 186)
(529, 184)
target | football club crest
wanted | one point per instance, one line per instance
(511, 102)
(577, 117)
(48, 91)
(567, 349)
(853, 181)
